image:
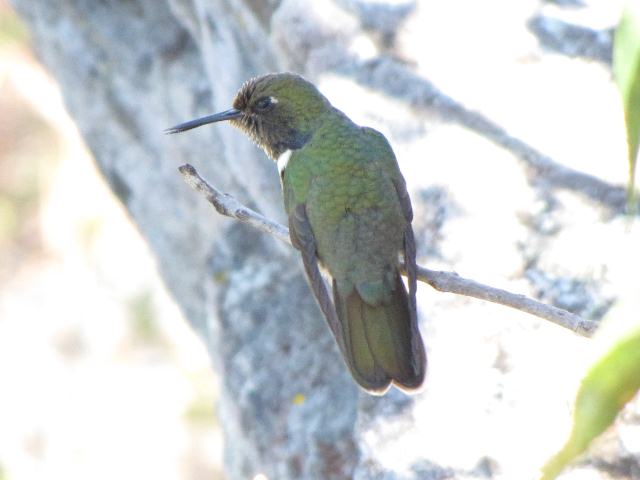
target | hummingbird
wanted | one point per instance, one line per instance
(350, 214)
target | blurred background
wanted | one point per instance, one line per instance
(95, 358)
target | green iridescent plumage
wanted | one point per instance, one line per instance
(349, 212)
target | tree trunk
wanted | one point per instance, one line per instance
(128, 70)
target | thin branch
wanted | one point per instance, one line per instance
(453, 283)
(226, 205)
(442, 281)
(396, 80)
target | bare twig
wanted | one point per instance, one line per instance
(442, 281)
(453, 283)
(395, 79)
(227, 205)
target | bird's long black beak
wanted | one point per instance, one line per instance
(198, 122)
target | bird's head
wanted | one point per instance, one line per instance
(278, 111)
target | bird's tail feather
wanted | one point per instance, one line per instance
(382, 342)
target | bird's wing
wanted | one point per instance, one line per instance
(409, 242)
(409, 248)
(302, 238)
(389, 164)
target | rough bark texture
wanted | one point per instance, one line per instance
(129, 69)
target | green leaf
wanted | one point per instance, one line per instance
(610, 383)
(626, 71)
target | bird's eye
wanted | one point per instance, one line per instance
(263, 103)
